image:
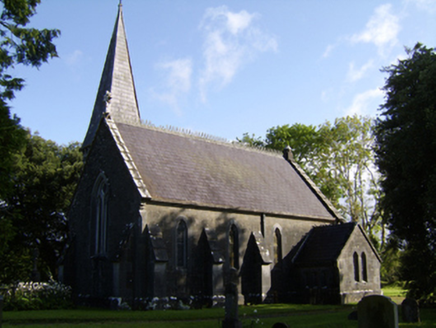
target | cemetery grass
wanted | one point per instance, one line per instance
(251, 316)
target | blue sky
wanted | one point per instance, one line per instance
(223, 68)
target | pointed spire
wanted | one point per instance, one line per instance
(116, 95)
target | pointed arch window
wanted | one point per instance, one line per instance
(182, 245)
(356, 266)
(277, 246)
(364, 268)
(233, 247)
(101, 193)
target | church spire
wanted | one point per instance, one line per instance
(116, 94)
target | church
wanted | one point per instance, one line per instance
(162, 215)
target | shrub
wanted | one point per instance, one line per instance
(37, 296)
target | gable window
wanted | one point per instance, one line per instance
(277, 246)
(182, 245)
(364, 269)
(233, 247)
(101, 192)
(356, 266)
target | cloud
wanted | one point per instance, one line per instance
(231, 40)
(74, 58)
(365, 103)
(356, 74)
(426, 5)
(328, 51)
(177, 81)
(381, 30)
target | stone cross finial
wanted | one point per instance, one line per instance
(107, 98)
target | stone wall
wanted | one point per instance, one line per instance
(353, 288)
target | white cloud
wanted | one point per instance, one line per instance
(231, 40)
(328, 51)
(355, 74)
(381, 30)
(176, 83)
(426, 5)
(365, 103)
(74, 58)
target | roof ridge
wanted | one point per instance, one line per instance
(201, 136)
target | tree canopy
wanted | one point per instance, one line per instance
(339, 158)
(18, 45)
(33, 215)
(406, 156)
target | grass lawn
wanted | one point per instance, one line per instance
(254, 316)
(396, 293)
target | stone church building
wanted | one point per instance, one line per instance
(162, 214)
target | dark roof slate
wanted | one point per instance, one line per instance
(191, 170)
(323, 244)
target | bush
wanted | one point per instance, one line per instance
(37, 296)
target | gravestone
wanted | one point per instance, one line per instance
(280, 325)
(353, 315)
(231, 319)
(410, 310)
(1, 310)
(377, 311)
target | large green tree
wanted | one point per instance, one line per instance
(339, 158)
(406, 156)
(19, 44)
(44, 184)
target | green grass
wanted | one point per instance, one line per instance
(296, 316)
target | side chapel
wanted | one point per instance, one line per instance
(163, 214)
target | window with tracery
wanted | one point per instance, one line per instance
(364, 269)
(233, 247)
(356, 266)
(182, 245)
(277, 246)
(101, 193)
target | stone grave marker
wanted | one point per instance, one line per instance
(377, 311)
(231, 319)
(410, 310)
(280, 325)
(1, 310)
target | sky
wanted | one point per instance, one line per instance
(223, 68)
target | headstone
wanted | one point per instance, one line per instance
(410, 310)
(353, 315)
(231, 319)
(280, 325)
(377, 311)
(1, 310)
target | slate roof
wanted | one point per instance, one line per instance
(117, 79)
(190, 170)
(323, 244)
(174, 168)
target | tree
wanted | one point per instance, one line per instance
(406, 156)
(339, 158)
(43, 188)
(18, 45)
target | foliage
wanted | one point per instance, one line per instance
(339, 158)
(18, 45)
(406, 156)
(37, 296)
(33, 214)
(390, 271)
(21, 45)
